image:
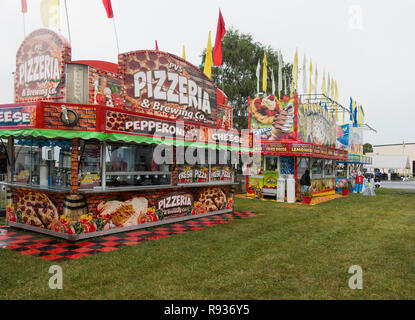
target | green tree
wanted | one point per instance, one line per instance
(367, 147)
(237, 75)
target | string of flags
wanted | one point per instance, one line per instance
(357, 115)
(276, 86)
(50, 16)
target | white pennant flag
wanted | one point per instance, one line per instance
(279, 73)
(304, 75)
(315, 81)
(258, 70)
(286, 83)
(273, 81)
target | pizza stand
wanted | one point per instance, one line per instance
(96, 148)
(292, 135)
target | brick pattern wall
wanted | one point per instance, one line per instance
(75, 166)
(174, 169)
(87, 117)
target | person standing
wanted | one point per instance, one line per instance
(305, 181)
(359, 182)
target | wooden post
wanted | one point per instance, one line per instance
(75, 166)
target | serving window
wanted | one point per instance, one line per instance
(341, 170)
(134, 165)
(328, 168)
(90, 164)
(44, 163)
(271, 163)
(303, 164)
(317, 168)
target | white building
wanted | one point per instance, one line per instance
(403, 161)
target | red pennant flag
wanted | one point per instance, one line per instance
(220, 33)
(108, 8)
(24, 6)
(157, 47)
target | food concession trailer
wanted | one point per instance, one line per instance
(293, 136)
(350, 138)
(97, 148)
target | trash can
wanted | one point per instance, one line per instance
(290, 189)
(280, 189)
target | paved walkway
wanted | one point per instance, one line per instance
(52, 249)
(398, 185)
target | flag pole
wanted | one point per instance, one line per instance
(24, 26)
(116, 35)
(67, 23)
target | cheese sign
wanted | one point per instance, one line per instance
(174, 205)
(163, 85)
(185, 174)
(19, 116)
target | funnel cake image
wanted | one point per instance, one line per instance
(319, 132)
(283, 123)
(264, 109)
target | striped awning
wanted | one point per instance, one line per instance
(115, 137)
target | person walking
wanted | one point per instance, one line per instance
(305, 181)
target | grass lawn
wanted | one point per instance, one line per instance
(291, 252)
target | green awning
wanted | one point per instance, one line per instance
(116, 137)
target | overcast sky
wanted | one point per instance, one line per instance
(366, 45)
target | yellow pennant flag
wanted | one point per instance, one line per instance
(336, 91)
(332, 89)
(50, 13)
(208, 60)
(264, 74)
(310, 88)
(184, 53)
(323, 89)
(336, 97)
(294, 73)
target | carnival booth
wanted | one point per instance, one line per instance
(97, 148)
(350, 138)
(292, 135)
